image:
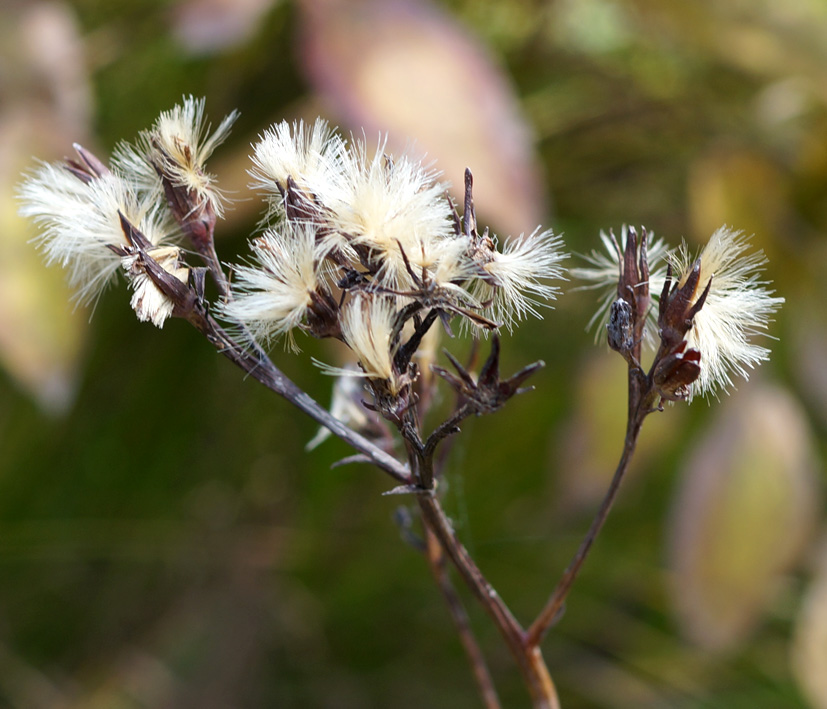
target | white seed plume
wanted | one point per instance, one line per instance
(79, 221)
(739, 306)
(390, 205)
(309, 155)
(179, 143)
(367, 328)
(517, 278)
(272, 297)
(604, 270)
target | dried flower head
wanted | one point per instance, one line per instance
(390, 210)
(148, 302)
(79, 218)
(603, 274)
(707, 313)
(178, 146)
(738, 306)
(274, 296)
(309, 156)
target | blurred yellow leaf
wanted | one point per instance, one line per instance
(740, 188)
(746, 505)
(809, 648)
(406, 69)
(46, 108)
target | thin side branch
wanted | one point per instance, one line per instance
(641, 396)
(554, 606)
(263, 370)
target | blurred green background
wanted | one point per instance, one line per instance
(165, 541)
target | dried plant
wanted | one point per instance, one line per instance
(368, 249)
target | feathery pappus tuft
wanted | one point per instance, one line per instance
(309, 155)
(603, 272)
(273, 296)
(738, 306)
(516, 280)
(387, 207)
(80, 223)
(368, 324)
(179, 146)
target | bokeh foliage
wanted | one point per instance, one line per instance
(165, 541)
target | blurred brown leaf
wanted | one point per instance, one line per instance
(405, 68)
(746, 505)
(45, 108)
(207, 26)
(809, 648)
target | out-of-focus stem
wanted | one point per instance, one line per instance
(436, 560)
(529, 659)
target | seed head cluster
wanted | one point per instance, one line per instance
(368, 248)
(710, 308)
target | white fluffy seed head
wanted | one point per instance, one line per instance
(310, 155)
(272, 296)
(517, 278)
(739, 307)
(390, 205)
(180, 144)
(79, 221)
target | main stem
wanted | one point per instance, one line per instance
(529, 659)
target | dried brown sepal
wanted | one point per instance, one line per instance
(679, 305)
(298, 205)
(195, 215)
(88, 168)
(469, 219)
(627, 323)
(675, 372)
(323, 316)
(488, 392)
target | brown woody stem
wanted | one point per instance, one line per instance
(261, 368)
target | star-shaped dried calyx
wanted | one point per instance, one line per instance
(487, 392)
